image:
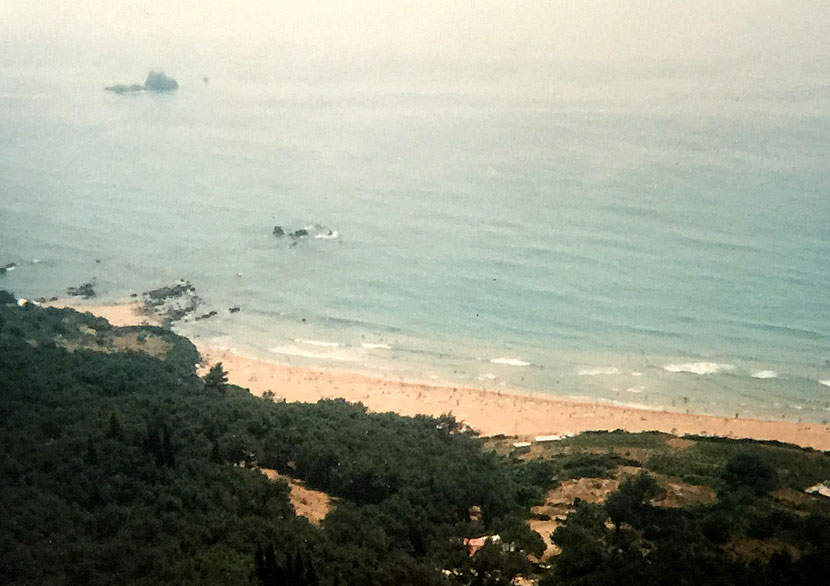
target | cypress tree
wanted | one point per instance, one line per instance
(91, 452)
(215, 454)
(152, 445)
(114, 429)
(168, 456)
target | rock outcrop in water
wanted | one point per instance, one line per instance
(156, 81)
(171, 304)
(207, 315)
(125, 89)
(279, 232)
(315, 231)
(85, 290)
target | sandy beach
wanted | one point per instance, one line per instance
(488, 412)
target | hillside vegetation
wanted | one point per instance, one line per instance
(121, 465)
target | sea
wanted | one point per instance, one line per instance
(653, 233)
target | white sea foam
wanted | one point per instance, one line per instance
(635, 373)
(330, 235)
(631, 405)
(509, 361)
(241, 354)
(765, 374)
(293, 350)
(698, 367)
(322, 343)
(826, 383)
(373, 346)
(635, 390)
(599, 370)
(487, 376)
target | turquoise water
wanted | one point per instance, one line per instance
(651, 235)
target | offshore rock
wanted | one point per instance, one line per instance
(156, 81)
(311, 231)
(125, 89)
(158, 296)
(171, 304)
(86, 291)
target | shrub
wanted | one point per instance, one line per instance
(751, 471)
(628, 503)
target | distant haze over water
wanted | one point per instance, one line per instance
(645, 232)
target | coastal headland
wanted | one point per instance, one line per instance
(488, 412)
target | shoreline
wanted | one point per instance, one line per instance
(487, 412)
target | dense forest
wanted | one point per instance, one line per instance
(120, 465)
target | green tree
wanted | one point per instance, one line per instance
(284, 568)
(215, 454)
(582, 539)
(114, 428)
(152, 444)
(750, 471)
(216, 378)
(632, 499)
(91, 452)
(168, 454)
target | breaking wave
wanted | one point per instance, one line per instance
(599, 370)
(322, 343)
(509, 361)
(293, 350)
(374, 346)
(701, 368)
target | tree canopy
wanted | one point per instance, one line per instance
(129, 466)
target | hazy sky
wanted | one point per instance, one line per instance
(688, 30)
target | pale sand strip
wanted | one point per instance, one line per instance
(488, 412)
(123, 314)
